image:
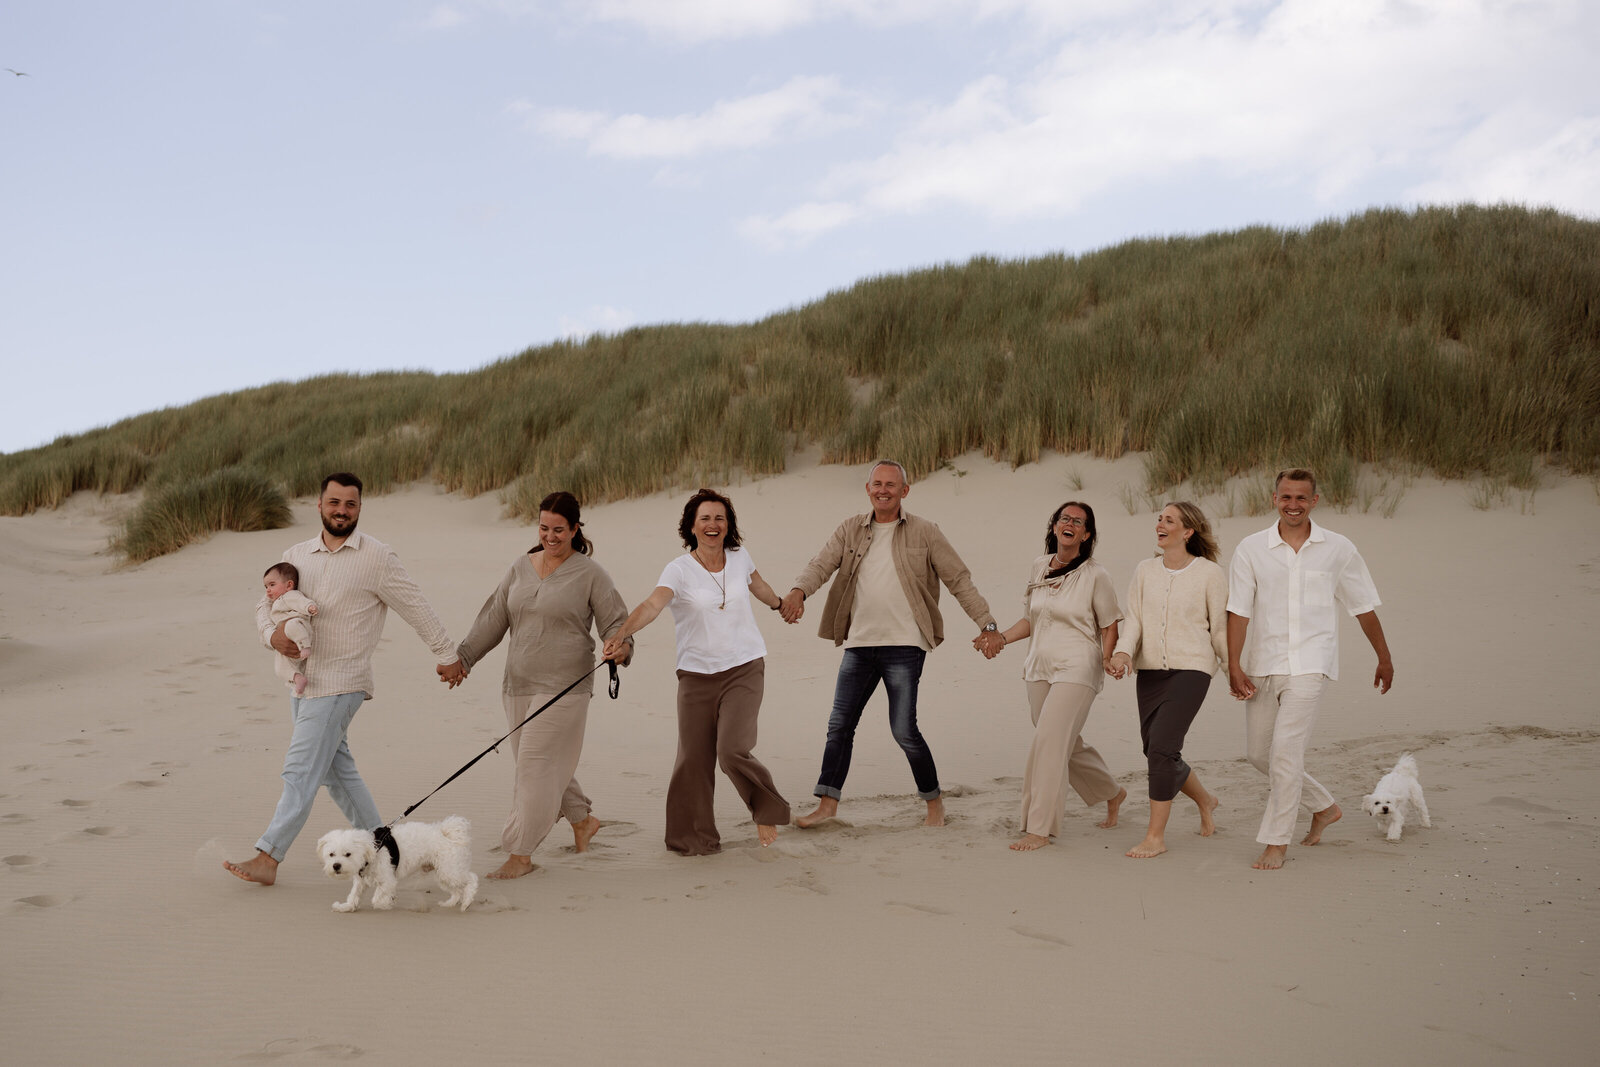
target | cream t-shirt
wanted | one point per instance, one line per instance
(881, 614)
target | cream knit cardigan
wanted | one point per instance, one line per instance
(1176, 621)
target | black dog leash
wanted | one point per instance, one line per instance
(614, 688)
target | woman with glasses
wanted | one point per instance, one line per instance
(1070, 614)
(721, 660)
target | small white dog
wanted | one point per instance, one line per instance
(444, 848)
(1395, 794)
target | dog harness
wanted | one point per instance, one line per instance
(383, 837)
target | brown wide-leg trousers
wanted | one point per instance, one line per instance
(717, 725)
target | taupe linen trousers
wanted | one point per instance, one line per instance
(717, 725)
(544, 757)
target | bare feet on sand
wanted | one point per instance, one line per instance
(1148, 848)
(1272, 858)
(827, 808)
(1029, 842)
(767, 834)
(935, 813)
(1320, 821)
(263, 870)
(515, 866)
(583, 832)
(1112, 806)
(1208, 825)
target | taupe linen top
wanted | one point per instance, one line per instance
(550, 620)
(1067, 615)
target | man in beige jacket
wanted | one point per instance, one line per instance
(884, 608)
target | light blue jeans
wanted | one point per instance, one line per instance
(318, 755)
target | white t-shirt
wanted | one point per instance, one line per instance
(715, 628)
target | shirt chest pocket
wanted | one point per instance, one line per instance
(1318, 588)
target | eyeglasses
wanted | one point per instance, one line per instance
(1070, 520)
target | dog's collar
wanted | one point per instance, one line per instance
(383, 837)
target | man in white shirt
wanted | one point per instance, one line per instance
(355, 580)
(1286, 581)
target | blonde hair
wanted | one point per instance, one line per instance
(1202, 542)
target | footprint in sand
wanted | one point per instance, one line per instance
(1037, 935)
(72, 741)
(11, 817)
(141, 783)
(925, 909)
(44, 900)
(22, 863)
(290, 1046)
(1518, 804)
(107, 831)
(76, 803)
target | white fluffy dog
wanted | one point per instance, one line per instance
(444, 848)
(1395, 794)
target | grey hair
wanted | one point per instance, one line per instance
(888, 463)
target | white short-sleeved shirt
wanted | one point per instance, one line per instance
(1290, 599)
(712, 639)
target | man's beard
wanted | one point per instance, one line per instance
(346, 532)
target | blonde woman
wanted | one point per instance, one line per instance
(1175, 635)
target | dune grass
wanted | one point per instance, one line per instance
(229, 499)
(1462, 341)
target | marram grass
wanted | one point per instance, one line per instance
(1461, 341)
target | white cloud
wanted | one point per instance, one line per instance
(1300, 93)
(802, 106)
(798, 225)
(598, 319)
(443, 17)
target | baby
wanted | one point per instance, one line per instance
(293, 609)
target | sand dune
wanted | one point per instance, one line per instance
(143, 733)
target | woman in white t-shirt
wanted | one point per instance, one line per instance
(721, 659)
(1071, 615)
(1176, 637)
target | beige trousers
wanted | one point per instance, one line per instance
(1277, 726)
(544, 757)
(1057, 757)
(298, 631)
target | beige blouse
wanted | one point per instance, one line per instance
(550, 621)
(1067, 615)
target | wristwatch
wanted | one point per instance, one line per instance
(990, 628)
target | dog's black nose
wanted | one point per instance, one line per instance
(335, 866)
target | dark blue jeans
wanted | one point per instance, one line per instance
(899, 668)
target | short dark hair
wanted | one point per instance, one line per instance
(565, 504)
(287, 571)
(686, 524)
(1086, 549)
(1295, 474)
(343, 478)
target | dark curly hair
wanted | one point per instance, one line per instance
(686, 524)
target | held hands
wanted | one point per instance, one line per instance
(990, 643)
(1239, 684)
(451, 674)
(1119, 665)
(791, 607)
(617, 650)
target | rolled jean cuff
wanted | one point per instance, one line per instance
(826, 791)
(935, 794)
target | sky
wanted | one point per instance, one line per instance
(198, 196)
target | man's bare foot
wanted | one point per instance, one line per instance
(1029, 842)
(935, 813)
(1272, 858)
(515, 866)
(1149, 847)
(767, 834)
(263, 870)
(1208, 825)
(827, 808)
(583, 832)
(1320, 821)
(1112, 807)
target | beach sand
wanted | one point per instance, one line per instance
(143, 732)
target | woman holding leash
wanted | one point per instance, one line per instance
(550, 600)
(1176, 635)
(721, 661)
(1070, 612)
